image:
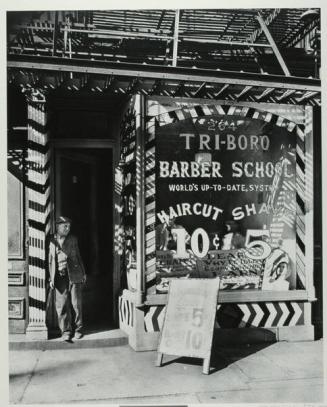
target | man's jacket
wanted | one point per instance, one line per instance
(75, 266)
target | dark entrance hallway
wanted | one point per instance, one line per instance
(84, 193)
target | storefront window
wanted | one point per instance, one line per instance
(226, 193)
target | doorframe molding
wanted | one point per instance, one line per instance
(112, 145)
(83, 143)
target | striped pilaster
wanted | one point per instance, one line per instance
(300, 207)
(118, 228)
(309, 202)
(127, 158)
(140, 217)
(150, 208)
(38, 176)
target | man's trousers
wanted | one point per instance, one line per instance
(68, 298)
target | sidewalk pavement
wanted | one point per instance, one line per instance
(266, 373)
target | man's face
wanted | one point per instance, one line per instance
(171, 222)
(63, 229)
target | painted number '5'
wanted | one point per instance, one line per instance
(197, 317)
(264, 248)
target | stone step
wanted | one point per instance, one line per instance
(113, 337)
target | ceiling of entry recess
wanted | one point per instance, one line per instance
(229, 39)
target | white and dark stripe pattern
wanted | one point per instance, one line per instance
(150, 208)
(282, 195)
(197, 111)
(126, 312)
(309, 176)
(153, 318)
(260, 315)
(127, 157)
(118, 228)
(246, 315)
(38, 175)
(309, 168)
(289, 215)
(300, 206)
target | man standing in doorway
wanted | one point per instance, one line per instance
(67, 276)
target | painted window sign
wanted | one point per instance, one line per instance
(226, 202)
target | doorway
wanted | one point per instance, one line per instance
(84, 193)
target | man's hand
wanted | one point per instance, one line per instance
(84, 279)
(51, 284)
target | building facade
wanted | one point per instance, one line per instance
(179, 152)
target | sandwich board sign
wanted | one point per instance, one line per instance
(189, 320)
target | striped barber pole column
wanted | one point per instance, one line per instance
(38, 216)
(300, 207)
(150, 208)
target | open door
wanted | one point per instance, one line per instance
(76, 198)
(83, 192)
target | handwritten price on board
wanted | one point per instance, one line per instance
(193, 338)
(189, 320)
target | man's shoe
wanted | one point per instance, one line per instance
(78, 335)
(66, 337)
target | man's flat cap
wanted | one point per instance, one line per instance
(63, 219)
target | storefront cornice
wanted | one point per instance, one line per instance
(160, 72)
(135, 78)
(242, 296)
